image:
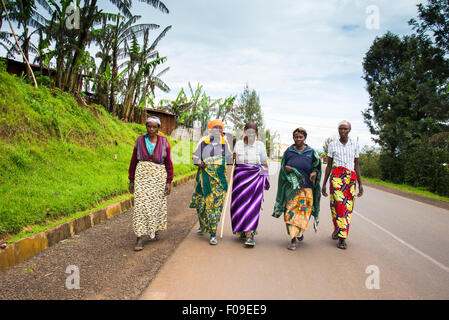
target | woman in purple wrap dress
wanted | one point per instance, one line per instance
(250, 180)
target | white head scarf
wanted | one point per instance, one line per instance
(344, 122)
(154, 119)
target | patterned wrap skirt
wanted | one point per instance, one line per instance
(342, 193)
(150, 204)
(209, 207)
(297, 215)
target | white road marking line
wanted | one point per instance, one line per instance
(439, 264)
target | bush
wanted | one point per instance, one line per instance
(369, 164)
(391, 167)
(424, 166)
(44, 81)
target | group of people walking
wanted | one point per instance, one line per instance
(299, 183)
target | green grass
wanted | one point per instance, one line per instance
(58, 159)
(407, 188)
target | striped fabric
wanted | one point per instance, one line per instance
(344, 155)
(247, 194)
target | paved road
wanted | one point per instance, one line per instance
(406, 241)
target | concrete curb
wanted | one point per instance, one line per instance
(23, 249)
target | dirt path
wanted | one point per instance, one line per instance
(108, 266)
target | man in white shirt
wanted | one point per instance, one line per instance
(343, 167)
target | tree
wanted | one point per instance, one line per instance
(249, 109)
(433, 18)
(326, 144)
(24, 13)
(271, 136)
(404, 79)
(70, 45)
(111, 38)
(142, 61)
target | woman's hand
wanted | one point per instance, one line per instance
(323, 190)
(131, 187)
(202, 165)
(312, 177)
(288, 169)
(167, 189)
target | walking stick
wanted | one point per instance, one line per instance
(228, 198)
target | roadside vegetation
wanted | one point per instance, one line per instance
(58, 157)
(408, 114)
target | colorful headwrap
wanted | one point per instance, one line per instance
(301, 131)
(214, 123)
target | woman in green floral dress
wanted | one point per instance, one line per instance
(211, 155)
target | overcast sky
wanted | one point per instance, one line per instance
(303, 57)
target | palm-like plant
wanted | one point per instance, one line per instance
(111, 39)
(71, 44)
(24, 13)
(143, 61)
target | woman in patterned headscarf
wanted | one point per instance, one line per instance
(211, 156)
(150, 176)
(299, 191)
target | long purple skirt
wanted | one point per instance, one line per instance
(247, 194)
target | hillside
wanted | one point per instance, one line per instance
(57, 157)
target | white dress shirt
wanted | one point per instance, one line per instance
(250, 154)
(344, 155)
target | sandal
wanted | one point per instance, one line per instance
(139, 244)
(156, 236)
(250, 243)
(199, 232)
(301, 238)
(213, 241)
(292, 246)
(342, 244)
(334, 235)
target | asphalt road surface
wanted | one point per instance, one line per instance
(398, 248)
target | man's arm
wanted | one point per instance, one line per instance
(330, 161)
(359, 177)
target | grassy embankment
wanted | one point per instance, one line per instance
(59, 160)
(410, 189)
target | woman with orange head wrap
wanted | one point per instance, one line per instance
(211, 155)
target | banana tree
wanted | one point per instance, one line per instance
(138, 66)
(24, 13)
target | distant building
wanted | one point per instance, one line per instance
(168, 120)
(18, 68)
